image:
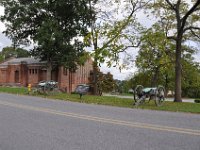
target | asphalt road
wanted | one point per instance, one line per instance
(30, 123)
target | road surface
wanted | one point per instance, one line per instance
(30, 123)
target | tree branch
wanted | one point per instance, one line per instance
(171, 5)
(134, 9)
(192, 9)
(191, 28)
(130, 46)
(195, 34)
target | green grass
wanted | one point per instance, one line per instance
(112, 101)
(14, 90)
(102, 100)
(126, 94)
(175, 107)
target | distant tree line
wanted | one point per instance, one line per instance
(9, 52)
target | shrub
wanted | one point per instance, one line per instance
(197, 100)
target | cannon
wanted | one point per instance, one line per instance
(153, 93)
(47, 86)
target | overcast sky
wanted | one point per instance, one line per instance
(3, 40)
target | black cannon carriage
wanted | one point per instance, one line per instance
(153, 93)
(47, 86)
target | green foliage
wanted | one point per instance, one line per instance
(55, 27)
(1, 57)
(155, 50)
(111, 35)
(22, 53)
(164, 48)
(141, 78)
(155, 59)
(108, 84)
(108, 32)
(8, 52)
(197, 100)
(180, 19)
(191, 80)
(125, 86)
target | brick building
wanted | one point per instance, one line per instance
(24, 71)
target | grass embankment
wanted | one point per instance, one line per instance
(112, 101)
(14, 90)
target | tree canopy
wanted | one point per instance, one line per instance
(8, 52)
(180, 19)
(109, 31)
(54, 26)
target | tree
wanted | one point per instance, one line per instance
(8, 52)
(54, 26)
(141, 78)
(1, 58)
(182, 21)
(108, 84)
(22, 53)
(156, 54)
(108, 32)
(191, 79)
(126, 85)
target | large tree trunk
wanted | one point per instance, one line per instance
(166, 84)
(95, 44)
(70, 81)
(95, 78)
(95, 65)
(178, 69)
(154, 80)
(49, 69)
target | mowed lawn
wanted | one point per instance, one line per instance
(111, 101)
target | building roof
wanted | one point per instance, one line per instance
(25, 60)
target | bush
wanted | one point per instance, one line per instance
(197, 100)
(192, 92)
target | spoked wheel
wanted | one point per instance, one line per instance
(140, 101)
(160, 96)
(138, 95)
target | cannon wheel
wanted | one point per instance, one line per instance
(160, 96)
(139, 98)
(138, 92)
(140, 101)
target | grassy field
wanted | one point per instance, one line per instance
(112, 101)
(14, 90)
